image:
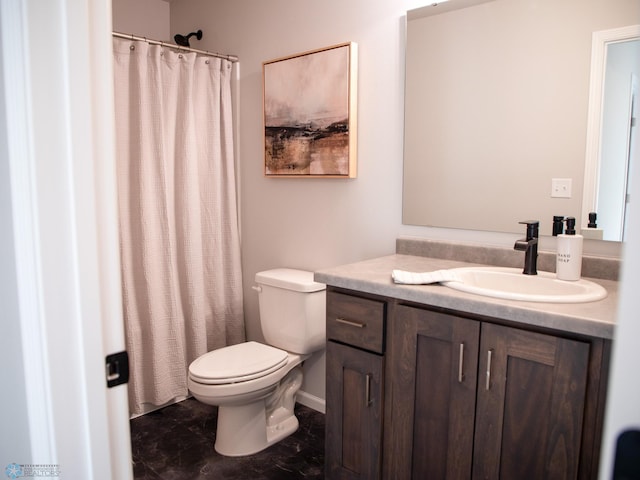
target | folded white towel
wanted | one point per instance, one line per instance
(414, 278)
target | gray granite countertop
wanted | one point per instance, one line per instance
(596, 319)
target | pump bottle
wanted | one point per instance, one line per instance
(569, 253)
(592, 230)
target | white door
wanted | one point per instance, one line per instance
(61, 306)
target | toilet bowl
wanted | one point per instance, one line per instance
(256, 404)
(254, 384)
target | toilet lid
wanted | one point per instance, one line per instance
(237, 363)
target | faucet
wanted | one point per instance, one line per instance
(529, 245)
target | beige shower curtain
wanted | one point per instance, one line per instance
(182, 285)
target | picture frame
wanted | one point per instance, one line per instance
(310, 114)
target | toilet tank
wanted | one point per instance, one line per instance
(292, 310)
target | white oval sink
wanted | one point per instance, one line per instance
(512, 284)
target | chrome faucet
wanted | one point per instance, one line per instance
(529, 246)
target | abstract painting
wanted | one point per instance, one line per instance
(310, 113)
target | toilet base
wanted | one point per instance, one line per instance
(250, 428)
(275, 433)
(254, 436)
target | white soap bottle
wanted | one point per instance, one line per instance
(569, 256)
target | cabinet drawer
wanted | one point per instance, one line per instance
(356, 321)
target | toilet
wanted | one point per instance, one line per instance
(255, 384)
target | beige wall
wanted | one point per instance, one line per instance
(144, 18)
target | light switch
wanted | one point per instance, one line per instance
(561, 187)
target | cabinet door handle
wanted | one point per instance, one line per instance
(460, 364)
(488, 385)
(351, 323)
(367, 390)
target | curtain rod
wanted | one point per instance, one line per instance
(231, 58)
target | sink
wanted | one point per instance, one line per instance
(512, 284)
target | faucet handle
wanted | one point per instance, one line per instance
(532, 228)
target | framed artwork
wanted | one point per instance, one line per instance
(310, 114)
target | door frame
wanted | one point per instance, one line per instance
(599, 43)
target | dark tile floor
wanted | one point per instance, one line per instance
(176, 442)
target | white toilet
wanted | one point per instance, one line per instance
(254, 384)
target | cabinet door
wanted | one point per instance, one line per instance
(433, 359)
(354, 413)
(531, 397)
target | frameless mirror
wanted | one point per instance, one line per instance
(497, 97)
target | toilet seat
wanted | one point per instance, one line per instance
(237, 363)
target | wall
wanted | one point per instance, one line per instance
(144, 18)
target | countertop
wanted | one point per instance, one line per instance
(595, 319)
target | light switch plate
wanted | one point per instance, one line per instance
(561, 187)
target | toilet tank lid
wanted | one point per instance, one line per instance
(290, 279)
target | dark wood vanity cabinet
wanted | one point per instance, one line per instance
(477, 400)
(355, 376)
(354, 422)
(432, 395)
(530, 404)
(464, 398)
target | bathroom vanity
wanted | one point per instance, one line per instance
(424, 381)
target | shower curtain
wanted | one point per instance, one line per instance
(179, 240)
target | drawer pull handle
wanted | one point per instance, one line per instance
(488, 385)
(367, 390)
(460, 364)
(351, 323)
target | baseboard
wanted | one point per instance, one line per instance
(316, 403)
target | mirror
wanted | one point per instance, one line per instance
(496, 103)
(611, 132)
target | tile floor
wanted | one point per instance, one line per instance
(176, 442)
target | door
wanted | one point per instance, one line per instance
(354, 419)
(531, 397)
(59, 206)
(434, 359)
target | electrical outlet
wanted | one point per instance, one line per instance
(561, 187)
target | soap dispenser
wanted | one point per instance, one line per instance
(592, 230)
(569, 253)
(558, 225)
